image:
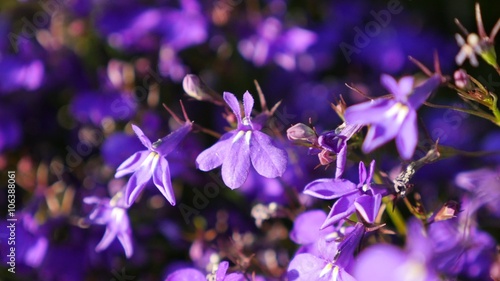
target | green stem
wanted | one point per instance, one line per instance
(395, 215)
(471, 112)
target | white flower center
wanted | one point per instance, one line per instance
(398, 111)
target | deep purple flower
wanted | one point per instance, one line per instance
(363, 197)
(336, 142)
(151, 163)
(237, 148)
(113, 214)
(332, 264)
(393, 118)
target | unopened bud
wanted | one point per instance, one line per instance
(325, 157)
(301, 132)
(462, 80)
(340, 107)
(197, 89)
(448, 211)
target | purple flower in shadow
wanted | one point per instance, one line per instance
(151, 163)
(237, 148)
(363, 197)
(393, 118)
(113, 214)
(332, 263)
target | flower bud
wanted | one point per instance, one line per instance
(301, 132)
(448, 211)
(325, 157)
(197, 89)
(462, 80)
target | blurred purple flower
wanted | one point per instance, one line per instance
(363, 197)
(94, 107)
(483, 186)
(191, 274)
(151, 163)
(397, 118)
(388, 262)
(306, 231)
(20, 74)
(10, 130)
(332, 263)
(113, 214)
(236, 149)
(272, 42)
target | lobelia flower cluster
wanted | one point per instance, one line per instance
(397, 179)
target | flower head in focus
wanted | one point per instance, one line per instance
(393, 118)
(244, 145)
(151, 163)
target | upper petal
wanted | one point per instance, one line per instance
(132, 163)
(170, 142)
(236, 165)
(267, 159)
(213, 156)
(161, 178)
(248, 104)
(407, 138)
(422, 92)
(233, 103)
(221, 271)
(400, 90)
(142, 137)
(330, 188)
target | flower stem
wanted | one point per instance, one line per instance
(395, 215)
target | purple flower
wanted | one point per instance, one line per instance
(395, 118)
(388, 262)
(336, 142)
(237, 148)
(113, 214)
(306, 231)
(191, 274)
(483, 186)
(151, 163)
(331, 264)
(362, 197)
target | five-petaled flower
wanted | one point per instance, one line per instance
(151, 163)
(237, 148)
(364, 197)
(113, 214)
(393, 118)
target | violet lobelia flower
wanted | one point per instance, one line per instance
(218, 274)
(363, 197)
(393, 118)
(113, 214)
(237, 148)
(332, 263)
(151, 163)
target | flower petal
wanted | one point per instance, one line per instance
(362, 173)
(422, 92)
(161, 178)
(107, 238)
(136, 183)
(368, 206)
(378, 135)
(170, 142)
(268, 160)
(236, 165)
(362, 113)
(142, 137)
(248, 104)
(330, 188)
(213, 156)
(341, 160)
(221, 271)
(306, 227)
(125, 239)
(400, 90)
(406, 140)
(186, 274)
(233, 103)
(132, 163)
(342, 209)
(305, 267)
